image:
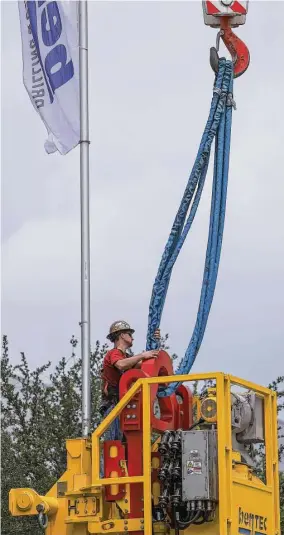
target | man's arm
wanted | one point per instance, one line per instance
(130, 362)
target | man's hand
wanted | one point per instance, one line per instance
(157, 334)
(150, 354)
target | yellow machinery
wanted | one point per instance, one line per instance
(216, 489)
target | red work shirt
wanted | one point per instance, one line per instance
(110, 374)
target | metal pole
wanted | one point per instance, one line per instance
(85, 218)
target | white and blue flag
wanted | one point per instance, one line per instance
(50, 45)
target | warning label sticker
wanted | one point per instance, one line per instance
(194, 464)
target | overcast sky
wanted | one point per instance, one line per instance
(150, 92)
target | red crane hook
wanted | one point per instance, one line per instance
(237, 48)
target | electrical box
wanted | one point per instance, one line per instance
(199, 465)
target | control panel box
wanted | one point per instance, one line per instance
(199, 465)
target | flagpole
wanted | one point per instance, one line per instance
(85, 217)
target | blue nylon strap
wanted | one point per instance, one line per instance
(218, 127)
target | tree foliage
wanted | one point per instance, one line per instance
(40, 409)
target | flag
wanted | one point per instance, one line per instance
(50, 48)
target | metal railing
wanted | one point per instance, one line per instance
(225, 477)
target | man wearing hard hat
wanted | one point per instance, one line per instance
(115, 363)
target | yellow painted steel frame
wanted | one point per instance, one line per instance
(245, 506)
(244, 503)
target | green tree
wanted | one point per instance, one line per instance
(39, 411)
